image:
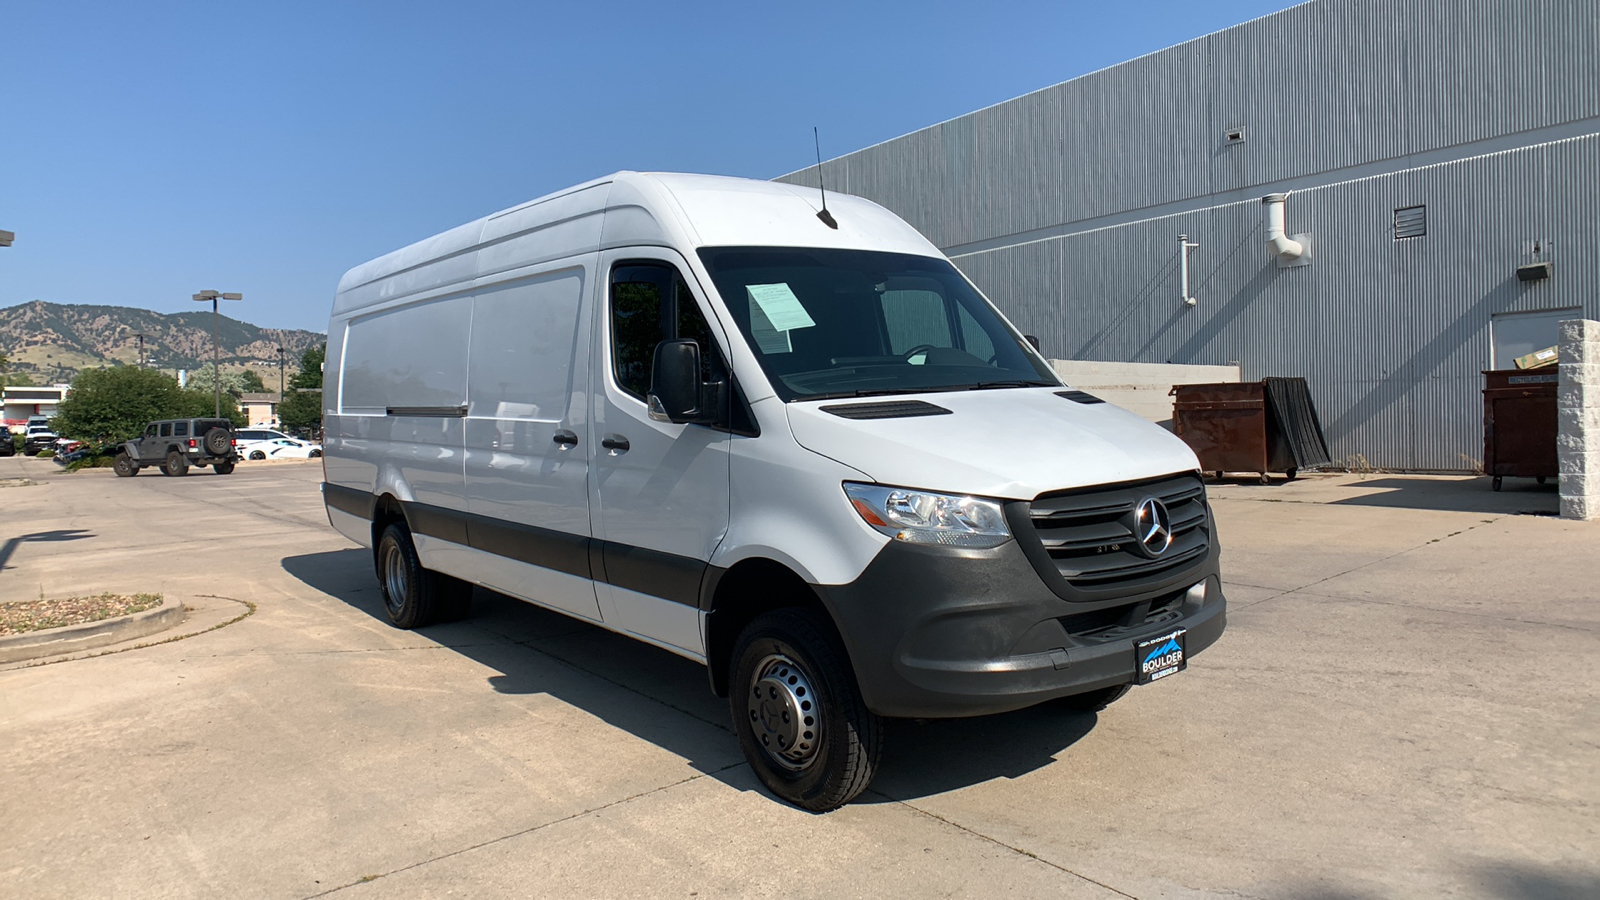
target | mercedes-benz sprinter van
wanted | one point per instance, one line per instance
(800, 449)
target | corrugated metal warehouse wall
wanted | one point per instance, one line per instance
(1065, 205)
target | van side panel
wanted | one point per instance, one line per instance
(526, 464)
(402, 396)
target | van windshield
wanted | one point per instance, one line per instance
(857, 323)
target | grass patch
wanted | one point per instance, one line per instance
(37, 615)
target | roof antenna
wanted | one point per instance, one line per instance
(825, 216)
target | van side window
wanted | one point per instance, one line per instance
(180, 429)
(915, 318)
(651, 304)
(150, 432)
(973, 338)
(166, 429)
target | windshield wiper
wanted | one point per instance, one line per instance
(871, 392)
(988, 385)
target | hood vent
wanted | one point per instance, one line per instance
(1079, 397)
(899, 409)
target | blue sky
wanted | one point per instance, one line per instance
(152, 150)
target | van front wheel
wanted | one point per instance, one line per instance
(798, 713)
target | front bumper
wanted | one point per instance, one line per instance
(934, 632)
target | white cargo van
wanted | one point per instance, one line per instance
(800, 449)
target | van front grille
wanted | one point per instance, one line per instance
(1089, 534)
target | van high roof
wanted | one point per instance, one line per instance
(629, 209)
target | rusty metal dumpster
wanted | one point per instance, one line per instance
(1250, 426)
(1520, 423)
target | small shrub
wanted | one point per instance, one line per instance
(46, 453)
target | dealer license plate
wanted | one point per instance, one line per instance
(1159, 657)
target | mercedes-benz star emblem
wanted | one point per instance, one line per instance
(1152, 525)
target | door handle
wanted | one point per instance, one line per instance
(616, 443)
(565, 438)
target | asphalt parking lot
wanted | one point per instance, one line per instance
(1404, 705)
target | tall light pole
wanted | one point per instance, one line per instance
(216, 365)
(278, 410)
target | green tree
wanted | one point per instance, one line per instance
(113, 404)
(234, 384)
(301, 407)
(310, 375)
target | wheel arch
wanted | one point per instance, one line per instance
(734, 597)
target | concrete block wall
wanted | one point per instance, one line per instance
(1578, 412)
(1140, 388)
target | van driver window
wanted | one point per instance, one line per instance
(651, 304)
(166, 430)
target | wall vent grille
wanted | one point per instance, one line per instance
(1410, 222)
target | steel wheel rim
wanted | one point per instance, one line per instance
(394, 579)
(785, 712)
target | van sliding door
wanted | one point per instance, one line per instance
(527, 467)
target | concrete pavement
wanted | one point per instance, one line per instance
(1402, 706)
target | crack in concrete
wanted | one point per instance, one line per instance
(999, 843)
(1453, 612)
(367, 879)
(1371, 562)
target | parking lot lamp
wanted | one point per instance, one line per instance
(216, 365)
(278, 410)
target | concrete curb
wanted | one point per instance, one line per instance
(72, 638)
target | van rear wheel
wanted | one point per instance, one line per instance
(412, 595)
(175, 465)
(408, 588)
(798, 713)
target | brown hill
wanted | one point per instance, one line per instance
(52, 341)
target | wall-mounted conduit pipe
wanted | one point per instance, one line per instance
(1285, 247)
(1184, 246)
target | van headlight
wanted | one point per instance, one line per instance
(923, 517)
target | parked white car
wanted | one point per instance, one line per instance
(280, 448)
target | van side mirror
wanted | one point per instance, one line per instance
(1033, 341)
(675, 383)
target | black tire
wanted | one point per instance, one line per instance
(1094, 701)
(1496, 483)
(798, 713)
(124, 465)
(316, 454)
(257, 454)
(1292, 473)
(218, 441)
(175, 465)
(223, 468)
(410, 592)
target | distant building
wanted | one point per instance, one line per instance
(261, 408)
(1441, 160)
(24, 401)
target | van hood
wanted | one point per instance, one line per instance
(1012, 443)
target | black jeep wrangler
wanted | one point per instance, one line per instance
(177, 444)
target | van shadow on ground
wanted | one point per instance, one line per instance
(921, 758)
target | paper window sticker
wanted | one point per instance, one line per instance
(782, 307)
(769, 339)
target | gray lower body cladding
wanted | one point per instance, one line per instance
(936, 632)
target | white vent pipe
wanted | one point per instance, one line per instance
(1281, 243)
